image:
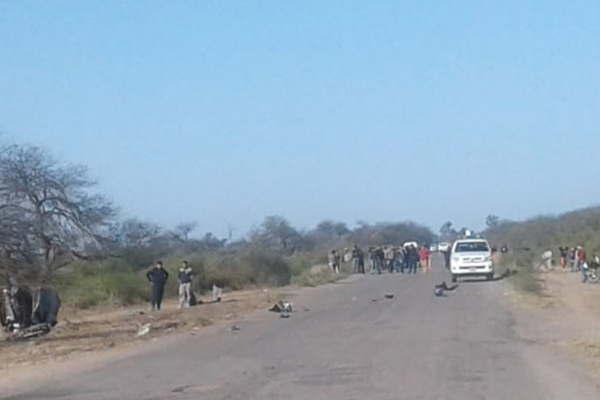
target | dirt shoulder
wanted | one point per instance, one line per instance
(564, 315)
(104, 332)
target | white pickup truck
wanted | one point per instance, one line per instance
(471, 257)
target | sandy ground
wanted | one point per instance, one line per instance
(566, 316)
(89, 333)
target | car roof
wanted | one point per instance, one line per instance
(470, 240)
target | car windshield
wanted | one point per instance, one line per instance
(471, 246)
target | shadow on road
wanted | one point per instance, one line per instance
(506, 274)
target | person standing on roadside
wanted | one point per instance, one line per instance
(564, 253)
(389, 258)
(185, 285)
(546, 264)
(355, 259)
(582, 263)
(398, 260)
(380, 258)
(413, 260)
(424, 256)
(576, 258)
(334, 261)
(573, 259)
(158, 277)
(405, 259)
(361, 261)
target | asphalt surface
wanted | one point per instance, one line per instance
(347, 341)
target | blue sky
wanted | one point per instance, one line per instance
(225, 112)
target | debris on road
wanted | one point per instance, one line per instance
(217, 293)
(235, 328)
(439, 290)
(282, 306)
(389, 295)
(181, 389)
(144, 330)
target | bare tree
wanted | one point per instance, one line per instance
(332, 228)
(183, 230)
(136, 233)
(492, 221)
(48, 214)
(276, 231)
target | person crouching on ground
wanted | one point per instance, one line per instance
(158, 276)
(185, 285)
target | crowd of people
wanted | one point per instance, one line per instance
(573, 259)
(378, 259)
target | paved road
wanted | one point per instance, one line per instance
(347, 346)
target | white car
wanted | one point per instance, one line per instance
(471, 257)
(444, 246)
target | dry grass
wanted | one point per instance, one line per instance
(102, 328)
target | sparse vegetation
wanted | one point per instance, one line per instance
(527, 240)
(56, 231)
(523, 276)
(120, 279)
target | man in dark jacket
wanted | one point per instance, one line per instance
(158, 277)
(413, 259)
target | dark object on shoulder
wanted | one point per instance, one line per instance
(46, 307)
(26, 314)
(194, 301)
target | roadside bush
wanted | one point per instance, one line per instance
(110, 282)
(266, 268)
(315, 277)
(523, 275)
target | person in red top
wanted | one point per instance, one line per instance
(425, 258)
(582, 257)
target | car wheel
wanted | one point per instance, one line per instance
(454, 278)
(490, 276)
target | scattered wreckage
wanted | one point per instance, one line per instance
(284, 309)
(26, 314)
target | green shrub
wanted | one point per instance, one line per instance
(110, 282)
(522, 276)
(313, 278)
